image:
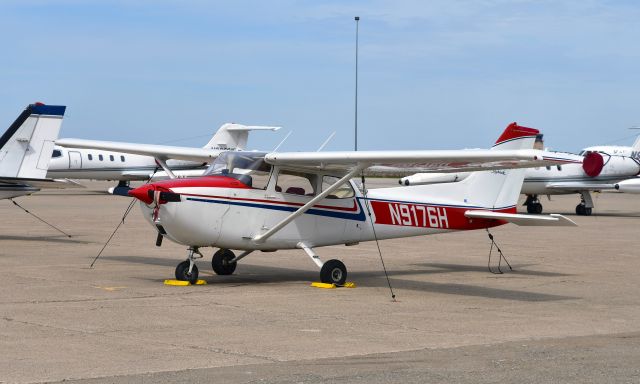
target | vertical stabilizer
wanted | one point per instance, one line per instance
(232, 137)
(497, 189)
(26, 147)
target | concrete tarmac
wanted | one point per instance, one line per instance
(568, 312)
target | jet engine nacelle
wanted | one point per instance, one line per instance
(620, 166)
(433, 178)
(629, 186)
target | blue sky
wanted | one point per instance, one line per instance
(433, 74)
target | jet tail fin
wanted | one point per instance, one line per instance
(233, 136)
(636, 144)
(26, 147)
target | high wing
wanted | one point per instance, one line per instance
(416, 161)
(163, 152)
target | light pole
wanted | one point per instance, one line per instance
(357, 19)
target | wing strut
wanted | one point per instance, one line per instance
(263, 237)
(164, 166)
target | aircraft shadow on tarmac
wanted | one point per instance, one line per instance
(47, 239)
(257, 274)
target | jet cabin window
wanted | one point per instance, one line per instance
(56, 153)
(111, 157)
(90, 156)
(296, 183)
(122, 158)
(100, 157)
(247, 167)
(343, 192)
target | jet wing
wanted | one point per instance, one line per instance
(523, 220)
(162, 152)
(41, 183)
(416, 161)
(577, 186)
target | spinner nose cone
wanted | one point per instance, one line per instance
(142, 193)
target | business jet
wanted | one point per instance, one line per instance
(26, 148)
(595, 168)
(109, 164)
(252, 201)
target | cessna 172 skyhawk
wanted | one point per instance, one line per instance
(252, 201)
(109, 164)
(25, 151)
(598, 168)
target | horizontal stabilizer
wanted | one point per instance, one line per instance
(520, 219)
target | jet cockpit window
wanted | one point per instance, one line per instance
(247, 167)
(56, 153)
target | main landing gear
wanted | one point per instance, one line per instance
(533, 204)
(585, 207)
(331, 272)
(223, 262)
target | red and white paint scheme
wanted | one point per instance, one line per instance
(252, 201)
(593, 169)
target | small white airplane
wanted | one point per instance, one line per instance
(252, 201)
(132, 163)
(26, 148)
(596, 168)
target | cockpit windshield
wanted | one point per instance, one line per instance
(248, 167)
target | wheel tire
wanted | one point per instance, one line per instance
(530, 208)
(538, 208)
(587, 211)
(182, 272)
(580, 210)
(333, 272)
(220, 262)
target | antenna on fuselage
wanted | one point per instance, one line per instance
(326, 141)
(282, 142)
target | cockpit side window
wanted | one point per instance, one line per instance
(56, 153)
(296, 183)
(345, 191)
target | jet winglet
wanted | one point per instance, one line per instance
(520, 219)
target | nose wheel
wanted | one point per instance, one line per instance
(183, 273)
(188, 270)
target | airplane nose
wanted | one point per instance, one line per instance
(142, 193)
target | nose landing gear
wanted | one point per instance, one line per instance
(188, 270)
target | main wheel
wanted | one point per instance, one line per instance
(220, 262)
(587, 211)
(531, 208)
(333, 272)
(538, 208)
(580, 210)
(182, 272)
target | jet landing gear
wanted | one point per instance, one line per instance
(533, 204)
(585, 207)
(331, 272)
(188, 270)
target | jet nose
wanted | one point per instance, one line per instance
(142, 193)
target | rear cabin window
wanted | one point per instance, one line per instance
(111, 157)
(90, 156)
(122, 158)
(343, 192)
(296, 183)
